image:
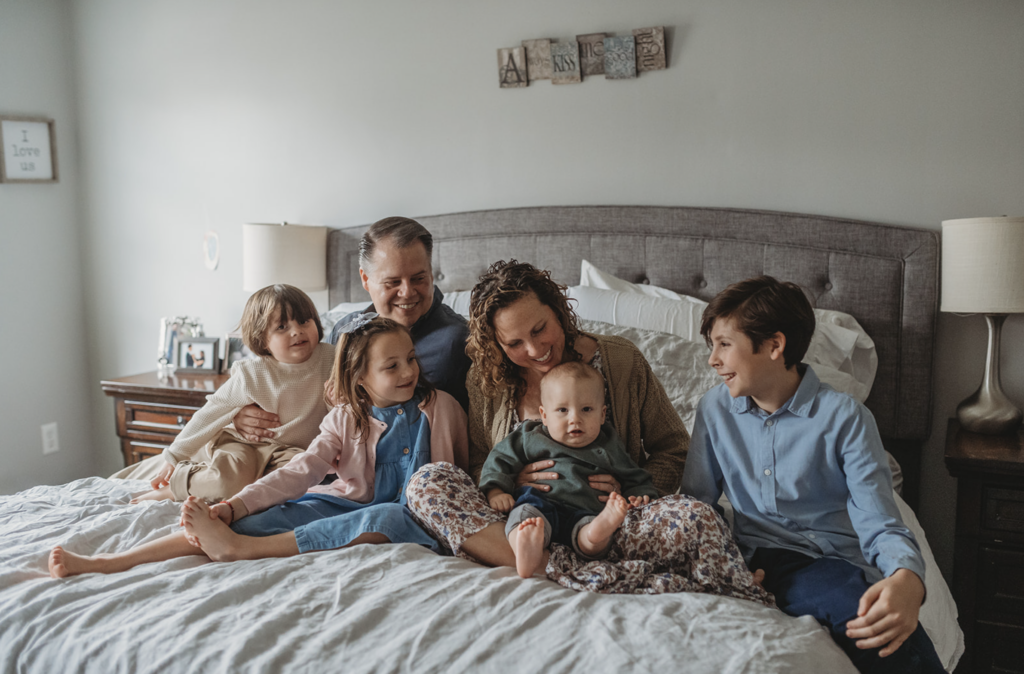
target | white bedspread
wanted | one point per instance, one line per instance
(392, 608)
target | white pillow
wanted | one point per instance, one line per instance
(843, 354)
(338, 312)
(459, 301)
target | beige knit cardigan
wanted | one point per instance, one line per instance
(653, 433)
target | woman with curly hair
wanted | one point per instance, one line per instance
(521, 326)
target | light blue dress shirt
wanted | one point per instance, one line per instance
(811, 477)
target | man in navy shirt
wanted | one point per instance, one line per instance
(394, 265)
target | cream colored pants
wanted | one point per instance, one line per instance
(230, 465)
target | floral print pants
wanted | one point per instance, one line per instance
(675, 544)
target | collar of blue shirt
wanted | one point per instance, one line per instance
(800, 404)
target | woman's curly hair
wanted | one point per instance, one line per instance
(501, 286)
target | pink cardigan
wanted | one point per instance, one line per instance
(335, 450)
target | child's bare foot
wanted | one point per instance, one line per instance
(161, 494)
(215, 538)
(63, 563)
(595, 536)
(529, 546)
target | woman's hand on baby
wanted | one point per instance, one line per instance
(532, 472)
(163, 478)
(254, 423)
(606, 484)
(637, 501)
(501, 501)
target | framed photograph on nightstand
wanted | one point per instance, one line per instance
(196, 355)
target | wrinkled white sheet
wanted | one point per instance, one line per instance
(392, 608)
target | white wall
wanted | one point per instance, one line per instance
(198, 115)
(43, 327)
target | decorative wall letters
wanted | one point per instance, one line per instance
(615, 57)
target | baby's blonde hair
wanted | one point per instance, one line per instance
(351, 363)
(575, 371)
(259, 310)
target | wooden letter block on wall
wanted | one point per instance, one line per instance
(650, 48)
(619, 57)
(512, 67)
(565, 63)
(538, 58)
(591, 53)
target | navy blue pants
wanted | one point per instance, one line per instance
(829, 590)
(563, 519)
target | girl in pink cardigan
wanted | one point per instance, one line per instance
(390, 423)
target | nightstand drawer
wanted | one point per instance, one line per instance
(1001, 581)
(135, 450)
(998, 647)
(156, 417)
(1003, 509)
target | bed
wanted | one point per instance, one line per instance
(401, 608)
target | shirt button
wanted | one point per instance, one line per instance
(405, 451)
(401, 411)
(769, 423)
(767, 471)
(812, 535)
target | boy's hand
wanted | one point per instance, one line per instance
(637, 501)
(163, 478)
(500, 501)
(887, 614)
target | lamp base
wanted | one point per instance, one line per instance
(989, 412)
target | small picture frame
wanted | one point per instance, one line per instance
(234, 351)
(196, 355)
(29, 150)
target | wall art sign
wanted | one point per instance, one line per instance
(650, 48)
(617, 57)
(29, 150)
(592, 53)
(512, 67)
(565, 63)
(620, 57)
(538, 59)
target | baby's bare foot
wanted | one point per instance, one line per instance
(594, 537)
(215, 538)
(529, 546)
(161, 494)
(63, 563)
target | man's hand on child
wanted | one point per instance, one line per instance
(501, 501)
(163, 478)
(637, 501)
(888, 611)
(254, 423)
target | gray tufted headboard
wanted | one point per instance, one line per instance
(884, 276)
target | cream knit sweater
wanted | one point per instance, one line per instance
(293, 392)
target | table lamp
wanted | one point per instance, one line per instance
(983, 273)
(284, 253)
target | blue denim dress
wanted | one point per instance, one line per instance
(324, 522)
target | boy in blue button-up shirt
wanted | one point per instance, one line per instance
(804, 468)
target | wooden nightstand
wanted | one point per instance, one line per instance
(150, 412)
(988, 564)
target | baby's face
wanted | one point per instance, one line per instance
(573, 410)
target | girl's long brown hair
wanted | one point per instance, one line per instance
(501, 286)
(350, 364)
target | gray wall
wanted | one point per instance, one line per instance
(197, 115)
(43, 326)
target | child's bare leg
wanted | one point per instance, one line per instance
(161, 494)
(63, 563)
(527, 541)
(594, 537)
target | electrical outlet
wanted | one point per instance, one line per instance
(51, 443)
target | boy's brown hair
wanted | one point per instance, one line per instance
(259, 311)
(576, 371)
(351, 363)
(761, 307)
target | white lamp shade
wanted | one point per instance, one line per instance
(983, 265)
(292, 254)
